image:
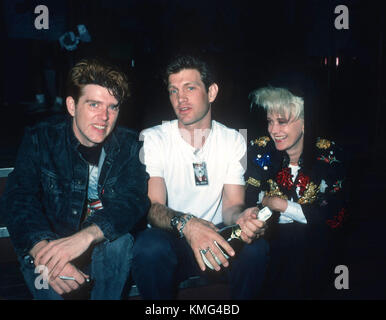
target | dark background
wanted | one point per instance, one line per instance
(248, 43)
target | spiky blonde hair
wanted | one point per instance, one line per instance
(278, 100)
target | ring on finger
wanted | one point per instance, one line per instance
(204, 251)
(214, 256)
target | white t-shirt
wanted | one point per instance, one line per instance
(169, 156)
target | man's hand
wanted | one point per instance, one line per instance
(56, 254)
(58, 285)
(202, 235)
(66, 286)
(251, 228)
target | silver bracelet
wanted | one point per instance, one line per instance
(183, 223)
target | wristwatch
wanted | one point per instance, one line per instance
(174, 223)
(183, 223)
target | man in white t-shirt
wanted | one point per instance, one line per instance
(196, 185)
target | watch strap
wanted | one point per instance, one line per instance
(183, 223)
(174, 223)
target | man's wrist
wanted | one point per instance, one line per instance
(37, 247)
(93, 234)
(183, 221)
(174, 222)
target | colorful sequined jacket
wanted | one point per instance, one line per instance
(322, 184)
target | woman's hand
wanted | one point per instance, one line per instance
(275, 203)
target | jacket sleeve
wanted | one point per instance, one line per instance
(22, 209)
(255, 176)
(124, 199)
(330, 207)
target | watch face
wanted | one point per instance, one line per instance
(174, 221)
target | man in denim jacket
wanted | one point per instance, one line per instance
(77, 191)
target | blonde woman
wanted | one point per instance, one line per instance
(301, 179)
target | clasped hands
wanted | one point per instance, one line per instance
(56, 256)
(203, 235)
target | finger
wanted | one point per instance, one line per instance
(254, 212)
(210, 257)
(251, 211)
(72, 284)
(260, 223)
(58, 268)
(244, 237)
(42, 252)
(51, 266)
(249, 229)
(199, 259)
(220, 255)
(71, 271)
(84, 275)
(61, 284)
(225, 246)
(47, 255)
(63, 259)
(260, 230)
(56, 288)
(254, 226)
(80, 277)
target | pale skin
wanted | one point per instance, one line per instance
(57, 255)
(288, 135)
(191, 102)
(201, 234)
(94, 117)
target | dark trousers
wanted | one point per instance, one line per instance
(299, 262)
(286, 269)
(161, 261)
(109, 268)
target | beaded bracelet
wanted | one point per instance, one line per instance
(183, 223)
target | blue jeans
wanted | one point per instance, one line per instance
(109, 268)
(161, 261)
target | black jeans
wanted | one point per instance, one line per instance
(161, 261)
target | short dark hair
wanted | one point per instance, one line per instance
(96, 71)
(182, 62)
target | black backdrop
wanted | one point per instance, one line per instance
(249, 42)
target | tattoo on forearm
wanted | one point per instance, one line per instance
(160, 215)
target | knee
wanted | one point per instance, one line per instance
(122, 244)
(152, 245)
(120, 248)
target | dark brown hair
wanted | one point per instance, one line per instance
(182, 62)
(94, 71)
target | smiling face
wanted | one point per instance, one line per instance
(190, 99)
(94, 116)
(287, 134)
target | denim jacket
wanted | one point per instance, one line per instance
(46, 193)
